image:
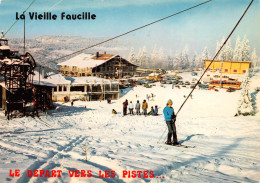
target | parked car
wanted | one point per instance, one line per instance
(171, 78)
(163, 81)
(169, 82)
(140, 82)
(203, 85)
(194, 73)
(122, 87)
(187, 83)
(230, 89)
(178, 77)
(147, 86)
(148, 81)
(175, 82)
(180, 83)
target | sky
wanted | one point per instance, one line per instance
(194, 29)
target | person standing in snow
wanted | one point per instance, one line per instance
(170, 119)
(137, 107)
(125, 104)
(131, 108)
(35, 108)
(145, 107)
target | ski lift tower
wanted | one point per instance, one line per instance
(15, 69)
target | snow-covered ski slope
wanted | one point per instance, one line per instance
(227, 147)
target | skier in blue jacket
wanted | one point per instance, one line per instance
(170, 119)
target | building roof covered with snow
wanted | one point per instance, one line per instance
(52, 80)
(84, 60)
(89, 80)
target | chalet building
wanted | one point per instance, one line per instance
(99, 65)
(228, 67)
(86, 89)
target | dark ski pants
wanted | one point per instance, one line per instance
(171, 131)
(145, 111)
(131, 111)
(125, 111)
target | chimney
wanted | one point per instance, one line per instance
(105, 52)
(97, 54)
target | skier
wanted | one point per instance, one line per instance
(125, 104)
(137, 107)
(145, 107)
(72, 102)
(114, 111)
(35, 108)
(131, 108)
(152, 111)
(170, 119)
(155, 111)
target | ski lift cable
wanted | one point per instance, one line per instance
(17, 20)
(211, 62)
(133, 30)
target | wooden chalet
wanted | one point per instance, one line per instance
(99, 65)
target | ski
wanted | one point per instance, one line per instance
(180, 145)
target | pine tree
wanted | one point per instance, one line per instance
(228, 51)
(254, 59)
(185, 58)
(245, 104)
(161, 58)
(205, 54)
(222, 53)
(131, 56)
(237, 55)
(177, 60)
(142, 57)
(245, 49)
(154, 57)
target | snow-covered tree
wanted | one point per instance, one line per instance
(228, 51)
(254, 60)
(142, 57)
(205, 54)
(177, 60)
(237, 55)
(198, 60)
(131, 56)
(245, 49)
(161, 59)
(185, 58)
(222, 53)
(154, 57)
(245, 106)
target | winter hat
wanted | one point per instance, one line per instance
(169, 102)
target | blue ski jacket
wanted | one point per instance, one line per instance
(168, 113)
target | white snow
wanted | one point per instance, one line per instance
(227, 147)
(84, 60)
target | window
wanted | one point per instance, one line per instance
(60, 88)
(226, 70)
(64, 88)
(235, 70)
(244, 71)
(77, 88)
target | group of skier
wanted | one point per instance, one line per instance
(154, 111)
